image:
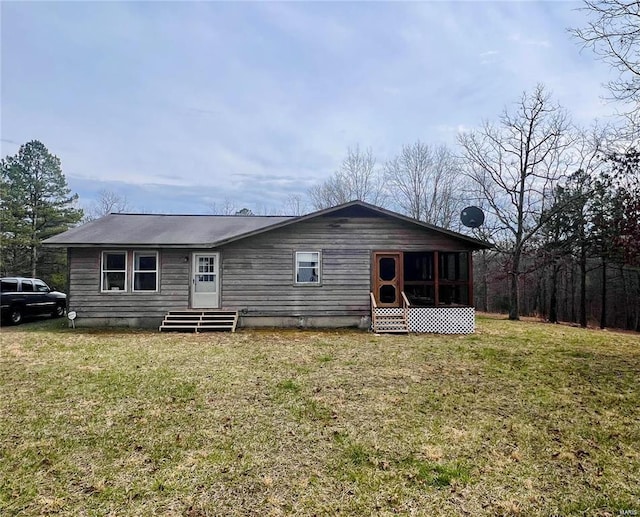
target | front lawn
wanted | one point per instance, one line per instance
(517, 419)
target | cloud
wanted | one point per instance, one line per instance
(183, 102)
(517, 38)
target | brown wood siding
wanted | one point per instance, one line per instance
(258, 273)
(86, 299)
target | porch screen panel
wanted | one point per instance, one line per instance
(454, 278)
(451, 285)
(419, 278)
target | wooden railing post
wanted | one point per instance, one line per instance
(405, 309)
(373, 311)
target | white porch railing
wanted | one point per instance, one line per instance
(437, 320)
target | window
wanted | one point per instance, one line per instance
(9, 286)
(114, 271)
(308, 267)
(145, 271)
(40, 286)
(27, 286)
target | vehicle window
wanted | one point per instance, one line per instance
(9, 286)
(27, 286)
(40, 286)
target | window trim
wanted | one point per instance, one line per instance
(103, 271)
(134, 271)
(296, 267)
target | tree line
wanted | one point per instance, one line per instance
(562, 206)
(562, 202)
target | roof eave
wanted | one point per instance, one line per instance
(130, 245)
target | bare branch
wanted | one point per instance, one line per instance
(357, 178)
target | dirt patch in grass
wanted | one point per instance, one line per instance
(517, 419)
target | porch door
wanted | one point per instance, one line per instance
(205, 281)
(387, 278)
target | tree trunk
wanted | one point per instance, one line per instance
(485, 282)
(627, 301)
(34, 258)
(553, 296)
(514, 293)
(583, 286)
(34, 247)
(572, 287)
(637, 325)
(603, 308)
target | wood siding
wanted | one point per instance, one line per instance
(258, 273)
(86, 299)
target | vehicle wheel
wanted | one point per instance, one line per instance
(15, 316)
(59, 312)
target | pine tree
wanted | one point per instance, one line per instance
(36, 203)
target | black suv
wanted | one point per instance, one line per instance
(22, 297)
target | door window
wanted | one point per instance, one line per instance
(387, 294)
(205, 275)
(387, 268)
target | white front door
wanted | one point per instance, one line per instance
(205, 281)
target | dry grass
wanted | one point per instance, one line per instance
(518, 419)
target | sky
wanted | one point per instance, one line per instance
(182, 106)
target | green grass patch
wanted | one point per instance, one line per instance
(437, 474)
(289, 385)
(517, 419)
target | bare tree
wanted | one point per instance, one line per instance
(423, 183)
(357, 178)
(294, 205)
(227, 207)
(515, 165)
(108, 202)
(613, 33)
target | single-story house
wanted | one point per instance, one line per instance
(351, 265)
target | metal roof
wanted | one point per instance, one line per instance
(196, 231)
(162, 230)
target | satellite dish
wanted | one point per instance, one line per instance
(472, 217)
